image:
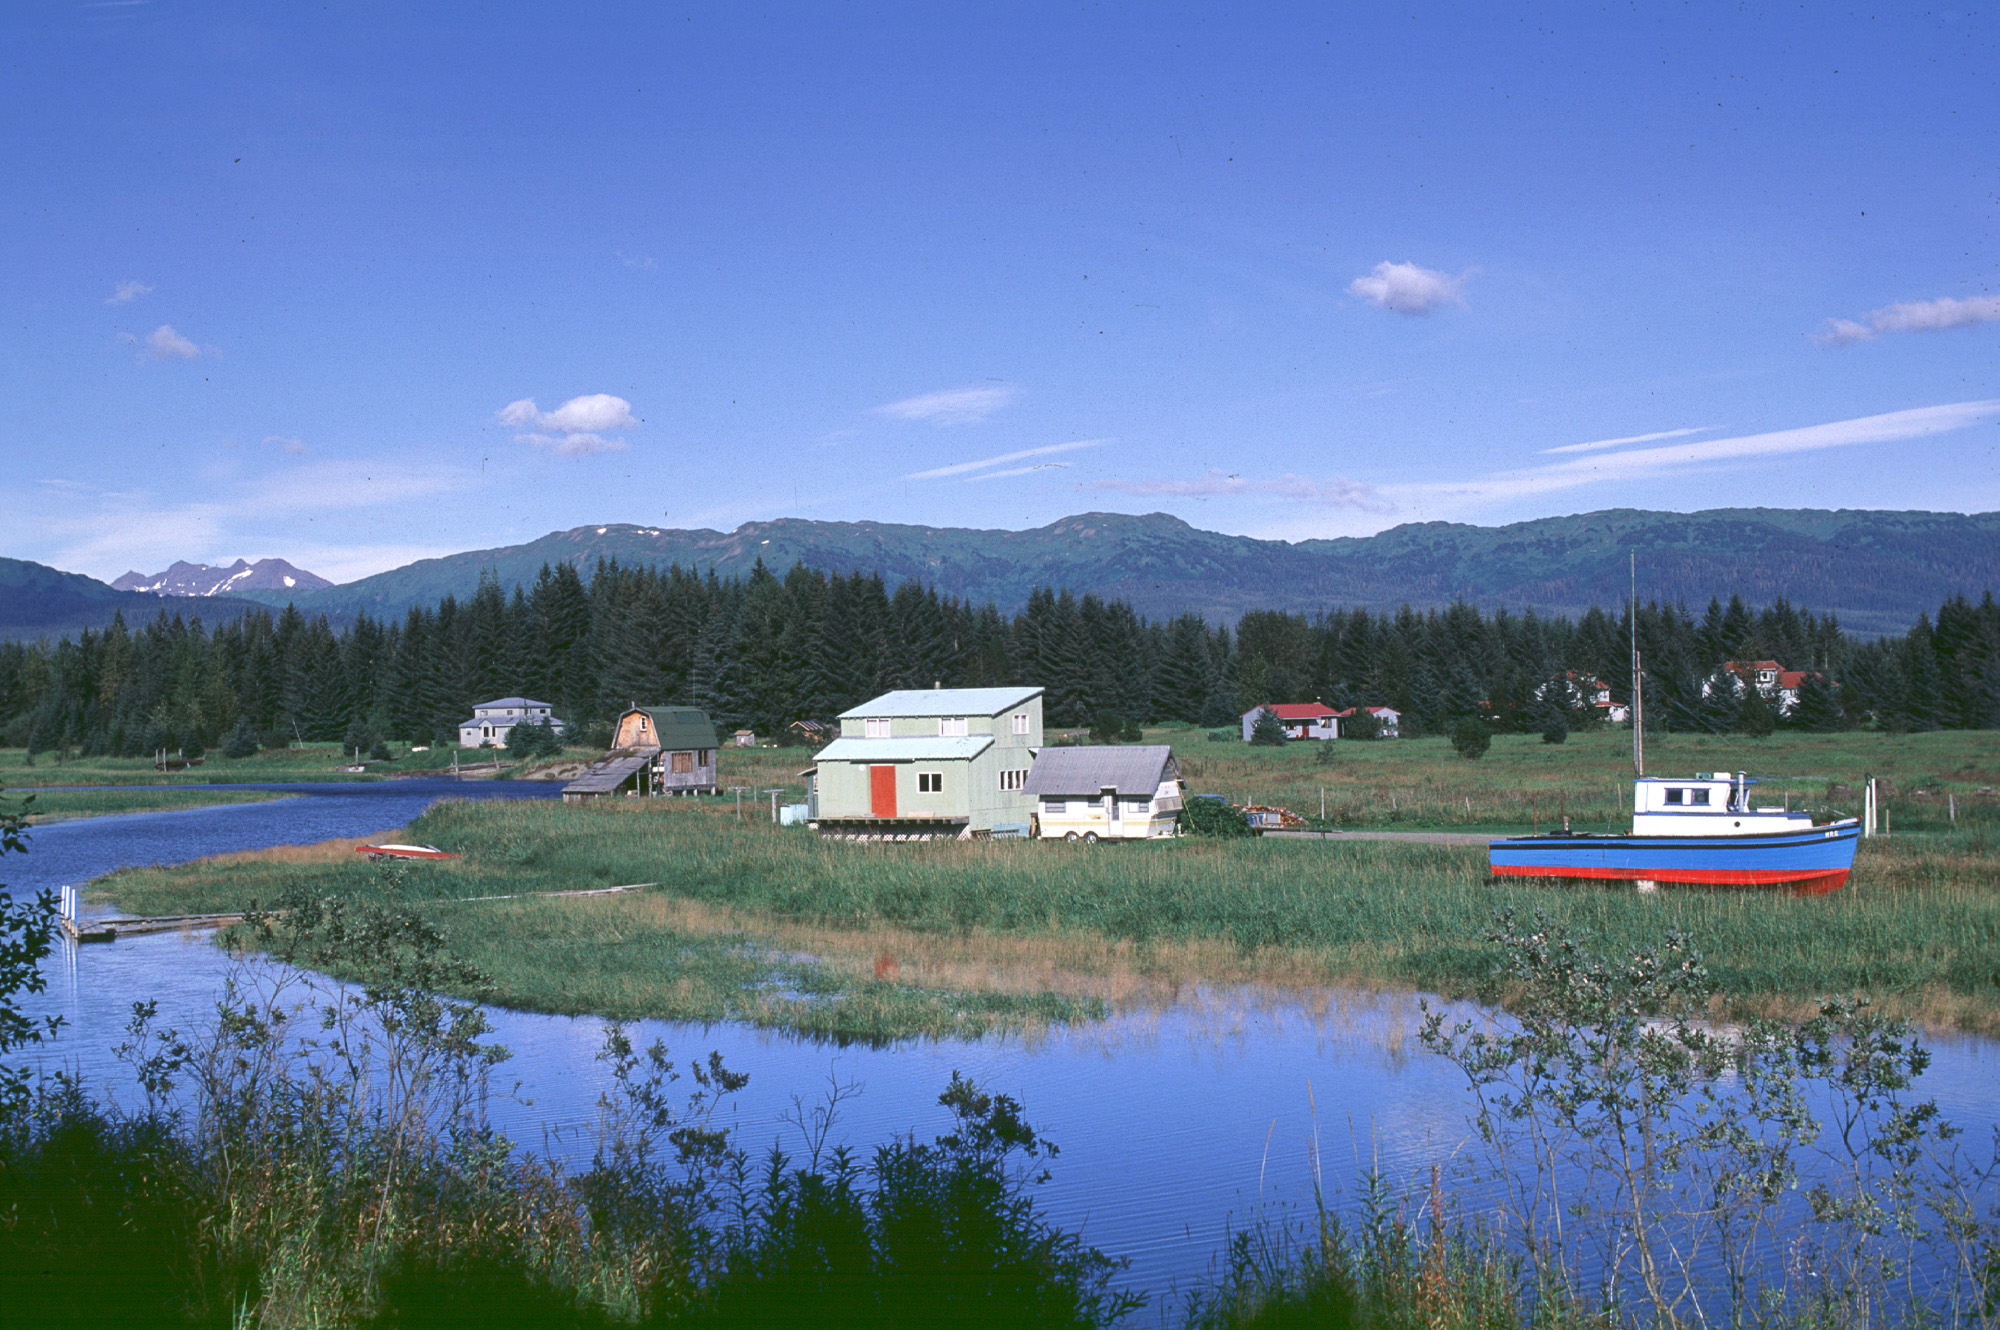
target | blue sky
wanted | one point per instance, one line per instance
(351, 287)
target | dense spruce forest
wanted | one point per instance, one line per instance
(765, 650)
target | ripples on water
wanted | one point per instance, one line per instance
(1174, 1125)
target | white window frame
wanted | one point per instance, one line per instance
(930, 782)
(1013, 779)
(952, 727)
(1020, 722)
(875, 727)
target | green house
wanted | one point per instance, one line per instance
(920, 763)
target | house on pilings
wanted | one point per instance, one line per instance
(654, 751)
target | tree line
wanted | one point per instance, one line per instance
(765, 650)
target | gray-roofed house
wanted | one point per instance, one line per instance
(920, 763)
(1106, 793)
(492, 721)
(654, 750)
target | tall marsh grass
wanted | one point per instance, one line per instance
(739, 906)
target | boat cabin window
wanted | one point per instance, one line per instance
(1698, 796)
(1675, 796)
(1683, 798)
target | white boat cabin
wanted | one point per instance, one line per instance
(1715, 803)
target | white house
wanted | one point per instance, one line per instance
(1302, 720)
(927, 762)
(1387, 719)
(1106, 793)
(492, 721)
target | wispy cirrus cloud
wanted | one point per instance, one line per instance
(1635, 464)
(1001, 459)
(579, 427)
(952, 406)
(1409, 289)
(296, 447)
(1633, 438)
(1336, 492)
(1910, 316)
(127, 292)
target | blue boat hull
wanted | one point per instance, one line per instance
(1814, 861)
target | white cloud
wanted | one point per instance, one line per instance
(128, 292)
(1641, 463)
(1019, 471)
(577, 428)
(1337, 492)
(1911, 316)
(296, 447)
(1408, 289)
(163, 343)
(960, 468)
(1635, 438)
(953, 406)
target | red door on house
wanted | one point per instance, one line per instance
(882, 790)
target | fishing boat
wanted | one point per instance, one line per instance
(1700, 831)
(404, 852)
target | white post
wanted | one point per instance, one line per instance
(1867, 805)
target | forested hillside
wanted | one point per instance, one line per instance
(1872, 570)
(764, 650)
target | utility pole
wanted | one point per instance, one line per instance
(774, 793)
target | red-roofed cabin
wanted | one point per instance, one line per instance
(1302, 720)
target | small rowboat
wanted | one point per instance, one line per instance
(404, 852)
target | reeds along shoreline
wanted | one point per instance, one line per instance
(955, 938)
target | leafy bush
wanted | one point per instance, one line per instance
(1470, 738)
(1555, 729)
(1209, 816)
(1269, 731)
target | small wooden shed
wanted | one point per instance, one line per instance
(654, 750)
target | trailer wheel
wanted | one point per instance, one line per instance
(1090, 838)
(1070, 836)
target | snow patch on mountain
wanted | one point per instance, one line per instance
(200, 579)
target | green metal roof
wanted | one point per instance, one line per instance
(677, 728)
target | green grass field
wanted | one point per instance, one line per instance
(755, 922)
(42, 807)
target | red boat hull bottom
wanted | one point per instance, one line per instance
(1807, 884)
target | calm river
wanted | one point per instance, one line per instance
(1174, 1126)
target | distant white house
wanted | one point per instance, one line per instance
(492, 721)
(1388, 720)
(1302, 720)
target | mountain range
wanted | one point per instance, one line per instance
(1875, 570)
(200, 579)
(39, 601)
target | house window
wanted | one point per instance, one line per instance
(1020, 722)
(930, 782)
(683, 764)
(1014, 780)
(951, 727)
(875, 727)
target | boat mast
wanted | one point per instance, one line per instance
(1638, 682)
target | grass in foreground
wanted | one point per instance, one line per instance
(952, 938)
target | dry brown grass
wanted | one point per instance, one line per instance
(338, 850)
